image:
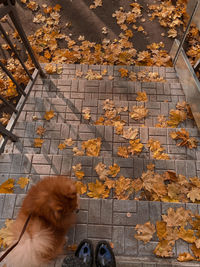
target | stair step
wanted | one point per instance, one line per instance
(70, 111)
(56, 133)
(102, 89)
(107, 219)
(36, 166)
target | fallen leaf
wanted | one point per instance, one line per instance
(182, 257)
(6, 235)
(145, 232)
(40, 130)
(195, 250)
(86, 113)
(97, 190)
(194, 194)
(176, 218)
(123, 72)
(187, 141)
(101, 171)
(38, 142)
(122, 152)
(114, 170)
(77, 152)
(164, 248)
(123, 188)
(62, 146)
(7, 187)
(161, 230)
(142, 97)
(69, 142)
(187, 235)
(176, 116)
(23, 181)
(138, 112)
(130, 133)
(49, 115)
(135, 146)
(81, 188)
(50, 69)
(92, 147)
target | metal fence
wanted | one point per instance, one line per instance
(7, 7)
(185, 71)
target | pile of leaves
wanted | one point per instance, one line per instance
(8, 186)
(176, 224)
(151, 186)
(169, 15)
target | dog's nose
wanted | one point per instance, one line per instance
(77, 211)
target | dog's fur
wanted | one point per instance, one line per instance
(51, 203)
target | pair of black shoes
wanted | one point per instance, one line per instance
(84, 255)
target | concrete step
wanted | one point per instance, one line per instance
(107, 219)
(56, 133)
(71, 111)
(78, 88)
(36, 166)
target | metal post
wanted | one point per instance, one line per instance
(3, 131)
(186, 32)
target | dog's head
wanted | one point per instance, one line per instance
(54, 199)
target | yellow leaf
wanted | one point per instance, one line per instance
(194, 194)
(123, 188)
(80, 174)
(185, 257)
(49, 115)
(161, 230)
(50, 69)
(172, 33)
(109, 183)
(138, 113)
(32, 5)
(176, 116)
(86, 113)
(81, 188)
(186, 140)
(187, 235)
(142, 97)
(7, 187)
(62, 146)
(101, 171)
(5, 118)
(38, 142)
(40, 130)
(78, 152)
(135, 146)
(6, 235)
(177, 218)
(164, 248)
(114, 170)
(196, 251)
(92, 147)
(123, 72)
(69, 142)
(145, 232)
(130, 133)
(23, 181)
(122, 152)
(57, 7)
(77, 170)
(97, 190)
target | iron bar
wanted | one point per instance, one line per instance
(14, 50)
(4, 11)
(8, 104)
(19, 88)
(15, 19)
(7, 133)
(186, 32)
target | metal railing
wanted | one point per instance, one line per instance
(185, 71)
(7, 7)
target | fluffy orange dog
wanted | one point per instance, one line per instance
(51, 203)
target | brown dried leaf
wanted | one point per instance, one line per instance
(38, 142)
(23, 181)
(138, 112)
(182, 257)
(81, 188)
(92, 147)
(122, 152)
(97, 190)
(145, 232)
(102, 171)
(49, 115)
(114, 170)
(40, 130)
(142, 97)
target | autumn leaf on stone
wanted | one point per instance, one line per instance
(50, 69)
(187, 235)
(138, 112)
(133, 76)
(108, 104)
(86, 113)
(96, 3)
(161, 229)
(68, 142)
(176, 116)
(177, 218)
(91, 75)
(40, 130)
(97, 190)
(123, 72)
(77, 152)
(119, 127)
(123, 188)
(81, 188)
(145, 232)
(109, 183)
(38, 142)
(135, 146)
(23, 181)
(78, 172)
(92, 147)
(100, 121)
(164, 248)
(101, 171)
(32, 5)
(122, 152)
(6, 236)
(157, 150)
(195, 181)
(79, 73)
(162, 123)
(7, 187)
(182, 257)
(130, 133)
(137, 184)
(196, 251)
(183, 135)
(194, 194)
(49, 115)
(172, 33)
(62, 146)
(114, 170)
(142, 97)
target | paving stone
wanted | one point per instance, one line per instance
(99, 231)
(118, 239)
(8, 207)
(94, 211)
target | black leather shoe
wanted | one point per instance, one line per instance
(85, 252)
(104, 256)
